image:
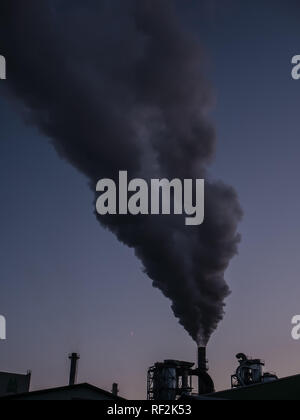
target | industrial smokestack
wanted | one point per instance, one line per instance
(74, 357)
(205, 383)
(202, 368)
(202, 363)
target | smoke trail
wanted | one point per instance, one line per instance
(117, 86)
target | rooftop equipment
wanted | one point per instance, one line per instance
(250, 372)
(173, 379)
(169, 380)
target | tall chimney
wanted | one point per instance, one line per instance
(202, 359)
(205, 383)
(74, 357)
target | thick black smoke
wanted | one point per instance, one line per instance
(117, 85)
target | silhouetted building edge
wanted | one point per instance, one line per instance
(14, 383)
(285, 389)
(79, 392)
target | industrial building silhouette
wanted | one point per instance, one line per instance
(168, 381)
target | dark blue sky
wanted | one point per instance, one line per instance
(68, 285)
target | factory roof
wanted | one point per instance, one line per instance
(286, 389)
(82, 391)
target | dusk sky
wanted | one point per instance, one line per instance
(67, 284)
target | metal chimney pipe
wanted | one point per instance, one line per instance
(115, 390)
(205, 383)
(74, 357)
(202, 366)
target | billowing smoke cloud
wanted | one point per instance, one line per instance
(117, 85)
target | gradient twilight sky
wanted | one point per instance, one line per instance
(69, 285)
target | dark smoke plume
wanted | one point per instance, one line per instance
(117, 85)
